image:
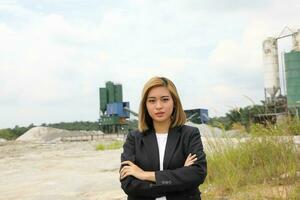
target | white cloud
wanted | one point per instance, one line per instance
(53, 62)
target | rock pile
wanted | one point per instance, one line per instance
(209, 131)
(47, 134)
(2, 141)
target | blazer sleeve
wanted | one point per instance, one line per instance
(131, 185)
(185, 177)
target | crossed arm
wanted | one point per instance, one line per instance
(137, 182)
(132, 169)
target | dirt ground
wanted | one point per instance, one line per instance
(73, 170)
(63, 171)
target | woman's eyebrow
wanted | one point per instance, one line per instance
(159, 97)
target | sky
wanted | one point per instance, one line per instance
(55, 54)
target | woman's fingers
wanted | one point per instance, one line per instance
(124, 175)
(194, 159)
(127, 162)
(125, 171)
(190, 159)
(125, 165)
(124, 168)
(193, 156)
(190, 162)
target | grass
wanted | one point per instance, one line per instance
(109, 146)
(285, 126)
(254, 168)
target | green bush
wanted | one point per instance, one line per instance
(285, 126)
(110, 146)
(6, 134)
(11, 134)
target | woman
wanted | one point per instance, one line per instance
(164, 159)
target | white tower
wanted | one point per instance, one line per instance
(271, 68)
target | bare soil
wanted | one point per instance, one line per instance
(73, 170)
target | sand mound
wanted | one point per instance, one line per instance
(2, 140)
(48, 134)
(208, 131)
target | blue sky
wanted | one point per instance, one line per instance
(54, 54)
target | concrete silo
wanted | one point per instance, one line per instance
(113, 111)
(275, 102)
(271, 69)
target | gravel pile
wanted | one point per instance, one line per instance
(52, 135)
(47, 134)
(208, 131)
(2, 141)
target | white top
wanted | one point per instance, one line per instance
(161, 141)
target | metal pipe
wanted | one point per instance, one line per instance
(285, 36)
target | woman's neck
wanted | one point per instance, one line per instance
(162, 127)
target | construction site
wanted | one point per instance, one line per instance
(50, 163)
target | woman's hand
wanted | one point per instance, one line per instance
(190, 160)
(131, 169)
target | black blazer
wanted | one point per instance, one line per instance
(176, 182)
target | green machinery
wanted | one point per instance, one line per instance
(292, 71)
(113, 111)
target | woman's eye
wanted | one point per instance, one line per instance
(151, 100)
(165, 99)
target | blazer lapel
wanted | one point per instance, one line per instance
(173, 137)
(151, 148)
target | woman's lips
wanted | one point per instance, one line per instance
(159, 114)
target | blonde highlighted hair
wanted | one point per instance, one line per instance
(178, 117)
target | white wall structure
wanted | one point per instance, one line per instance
(271, 67)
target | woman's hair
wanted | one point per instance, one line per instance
(178, 116)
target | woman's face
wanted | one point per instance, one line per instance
(160, 104)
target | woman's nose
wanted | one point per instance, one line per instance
(158, 104)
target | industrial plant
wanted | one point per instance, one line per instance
(114, 113)
(281, 99)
